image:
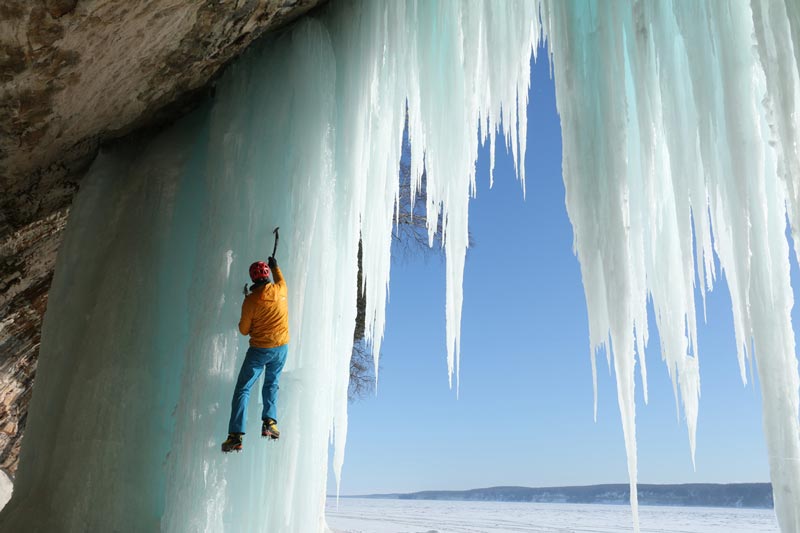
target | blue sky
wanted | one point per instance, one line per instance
(524, 415)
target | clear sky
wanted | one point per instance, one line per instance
(524, 415)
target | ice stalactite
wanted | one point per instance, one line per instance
(679, 122)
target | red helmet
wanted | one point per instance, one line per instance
(259, 270)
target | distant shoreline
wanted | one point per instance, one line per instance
(734, 495)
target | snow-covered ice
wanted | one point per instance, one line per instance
(419, 516)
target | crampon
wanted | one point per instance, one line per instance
(232, 444)
(269, 429)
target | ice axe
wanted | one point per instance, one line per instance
(275, 248)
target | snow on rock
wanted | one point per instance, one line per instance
(6, 488)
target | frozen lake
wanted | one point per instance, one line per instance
(421, 516)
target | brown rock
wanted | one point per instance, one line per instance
(59, 8)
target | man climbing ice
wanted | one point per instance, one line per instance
(265, 317)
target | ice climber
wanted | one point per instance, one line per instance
(265, 317)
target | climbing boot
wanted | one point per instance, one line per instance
(269, 428)
(233, 443)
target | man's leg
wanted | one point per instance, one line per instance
(252, 367)
(272, 372)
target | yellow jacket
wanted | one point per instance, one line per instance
(265, 314)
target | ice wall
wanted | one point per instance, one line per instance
(140, 349)
(680, 134)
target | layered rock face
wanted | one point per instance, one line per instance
(74, 74)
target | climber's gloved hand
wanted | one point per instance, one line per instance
(272, 263)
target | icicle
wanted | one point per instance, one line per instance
(678, 126)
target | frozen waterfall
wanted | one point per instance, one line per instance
(680, 142)
(140, 348)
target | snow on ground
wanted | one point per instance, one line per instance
(6, 488)
(420, 516)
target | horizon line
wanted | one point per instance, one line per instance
(551, 487)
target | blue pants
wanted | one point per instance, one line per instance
(256, 361)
